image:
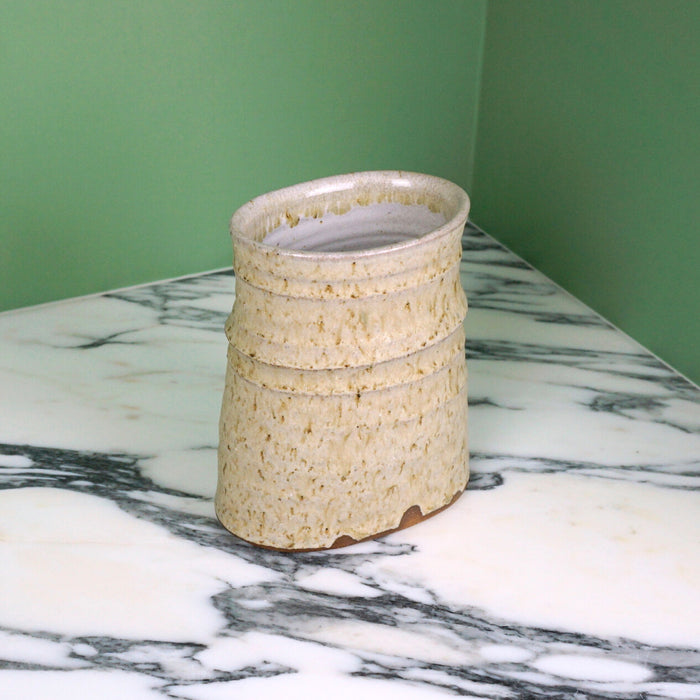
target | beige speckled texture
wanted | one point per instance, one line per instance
(346, 399)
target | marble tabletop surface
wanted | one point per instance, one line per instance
(569, 569)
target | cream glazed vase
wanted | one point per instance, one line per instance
(344, 414)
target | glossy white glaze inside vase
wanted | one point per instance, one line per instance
(361, 228)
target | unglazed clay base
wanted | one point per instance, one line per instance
(412, 516)
(344, 415)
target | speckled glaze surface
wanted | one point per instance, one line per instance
(346, 401)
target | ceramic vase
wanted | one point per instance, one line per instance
(344, 413)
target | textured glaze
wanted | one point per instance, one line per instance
(345, 401)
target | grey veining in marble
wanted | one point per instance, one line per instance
(569, 569)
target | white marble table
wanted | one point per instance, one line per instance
(569, 569)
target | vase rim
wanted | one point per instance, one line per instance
(353, 189)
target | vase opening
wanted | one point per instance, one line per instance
(361, 228)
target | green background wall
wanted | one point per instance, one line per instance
(130, 131)
(588, 157)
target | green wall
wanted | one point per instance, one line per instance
(131, 130)
(588, 157)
